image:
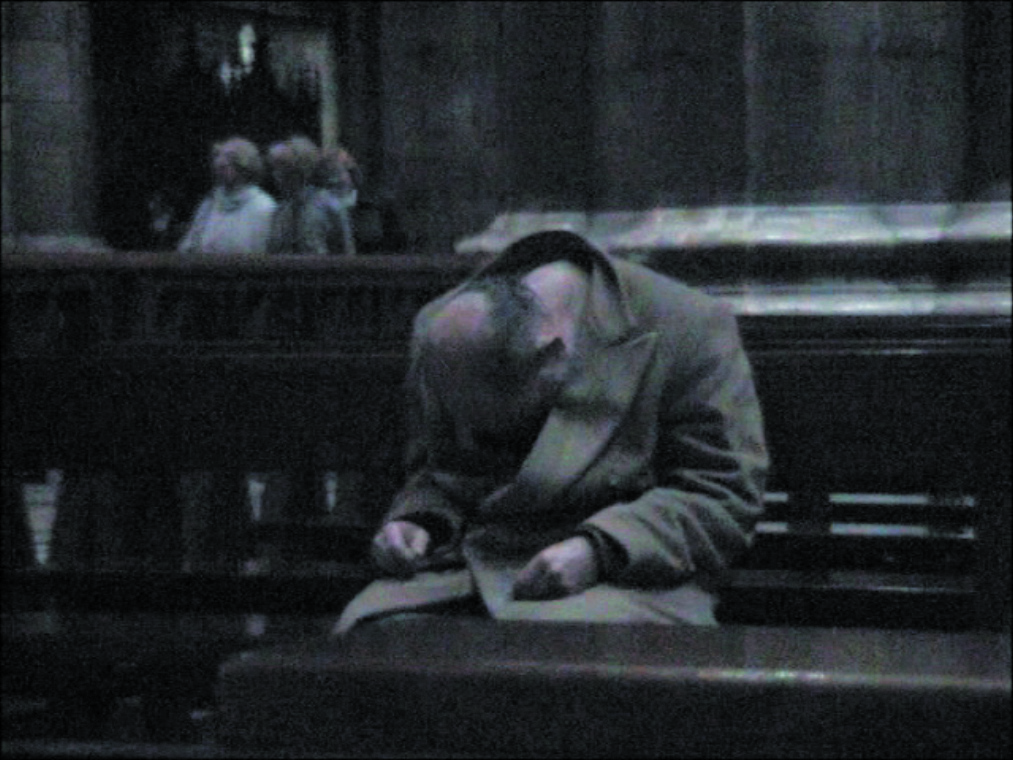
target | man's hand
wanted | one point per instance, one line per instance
(559, 570)
(399, 546)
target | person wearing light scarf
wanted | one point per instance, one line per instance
(235, 218)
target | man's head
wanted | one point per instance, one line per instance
(236, 162)
(488, 358)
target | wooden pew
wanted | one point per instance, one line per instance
(128, 372)
(148, 366)
(892, 526)
(889, 493)
(476, 688)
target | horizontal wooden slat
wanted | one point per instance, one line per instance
(851, 598)
(798, 550)
(945, 513)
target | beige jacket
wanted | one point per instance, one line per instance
(658, 442)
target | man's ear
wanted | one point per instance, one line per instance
(550, 353)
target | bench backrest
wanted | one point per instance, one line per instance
(888, 506)
(889, 493)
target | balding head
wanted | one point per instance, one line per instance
(487, 355)
(463, 324)
(487, 331)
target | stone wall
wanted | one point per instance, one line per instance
(441, 158)
(854, 102)
(614, 106)
(670, 106)
(48, 127)
(460, 111)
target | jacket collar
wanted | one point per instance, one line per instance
(608, 316)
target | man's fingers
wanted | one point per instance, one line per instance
(389, 553)
(533, 582)
(394, 538)
(398, 546)
(418, 544)
(387, 558)
(559, 570)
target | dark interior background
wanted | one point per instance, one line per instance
(460, 111)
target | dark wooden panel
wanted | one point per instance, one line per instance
(200, 411)
(326, 589)
(912, 420)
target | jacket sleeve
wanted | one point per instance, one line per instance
(437, 494)
(710, 466)
(340, 237)
(316, 223)
(259, 225)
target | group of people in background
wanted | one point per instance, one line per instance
(312, 214)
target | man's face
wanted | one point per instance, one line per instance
(225, 173)
(486, 406)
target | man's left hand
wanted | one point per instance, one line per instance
(559, 570)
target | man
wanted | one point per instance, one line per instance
(586, 444)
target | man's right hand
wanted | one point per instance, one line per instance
(399, 546)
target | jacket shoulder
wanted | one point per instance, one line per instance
(656, 292)
(263, 200)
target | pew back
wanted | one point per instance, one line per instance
(885, 410)
(889, 492)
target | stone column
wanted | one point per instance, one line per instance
(48, 127)
(669, 105)
(854, 102)
(439, 105)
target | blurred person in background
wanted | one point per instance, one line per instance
(308, 219)
(236, 216)
(339, 174)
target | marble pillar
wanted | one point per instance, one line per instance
(857, 102)
(48, 127)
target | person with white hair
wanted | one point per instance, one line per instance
(235, 218)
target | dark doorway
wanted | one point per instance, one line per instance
(171, 79)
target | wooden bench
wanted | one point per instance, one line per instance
(893, 416)
(889, 496)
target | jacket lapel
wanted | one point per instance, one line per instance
(592, 405)
(578, 428)
(586, 417)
